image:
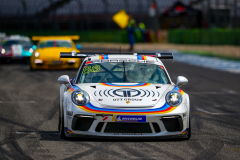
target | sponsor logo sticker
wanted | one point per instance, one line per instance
(127, 99)
(127, 133)
(105, 118)
(122, 118)
(126, 92)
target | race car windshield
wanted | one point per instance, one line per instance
(123, 72)
(13, 42)
(58, 43)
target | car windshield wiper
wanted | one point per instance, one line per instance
(124, 73)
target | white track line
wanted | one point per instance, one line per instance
(37, 133)
(207, 112)
(204, 61)
(17, 101)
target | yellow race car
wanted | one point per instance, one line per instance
(46, 56)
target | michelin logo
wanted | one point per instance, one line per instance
(121, 118)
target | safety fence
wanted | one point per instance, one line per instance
(205, 36)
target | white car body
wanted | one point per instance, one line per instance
(145, 113)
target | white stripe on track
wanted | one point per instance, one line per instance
(206, 62)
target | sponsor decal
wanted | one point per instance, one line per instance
(161, 67)
(122, 118)
(69, 131)
(140, 57)
(127, 133)
(105, 118)
(185, 131)
(127, 99)
(89, 62)
(87, 69)
(126, 92)
(103, 56)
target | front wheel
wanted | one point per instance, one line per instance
(62, 131)
(188, 130)
(31, 68)
(59, 119)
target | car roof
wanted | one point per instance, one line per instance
(108, 58)
(16, 37)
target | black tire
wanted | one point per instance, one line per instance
(62, 131)
(189, 131)
(31, 68)
(9, 60)
(59, 119)
(27, 60)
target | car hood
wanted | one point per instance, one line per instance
(126, 95)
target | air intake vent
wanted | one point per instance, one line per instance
(113, 127)
(173, 124)
(156, 127)
(99, 127)
(82, 123)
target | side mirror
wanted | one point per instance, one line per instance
(181, 81)
(34, 47)
(78, 46)
(64, 80)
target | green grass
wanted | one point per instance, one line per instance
(209, 54)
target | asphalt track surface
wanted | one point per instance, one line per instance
(29, 117)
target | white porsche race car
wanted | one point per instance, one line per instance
(123, 95)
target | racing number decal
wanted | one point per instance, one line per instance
(87, 69)
(96, 68)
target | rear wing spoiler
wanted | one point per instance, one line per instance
(88, 54)
(73, 37)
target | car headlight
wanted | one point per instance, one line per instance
(30, 50)
(174, 98)
(3, 51)
(80, 98)
(36, 54)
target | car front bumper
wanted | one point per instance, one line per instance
(41, 64)
(155, 126)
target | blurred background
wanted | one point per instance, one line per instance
(173, 21)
